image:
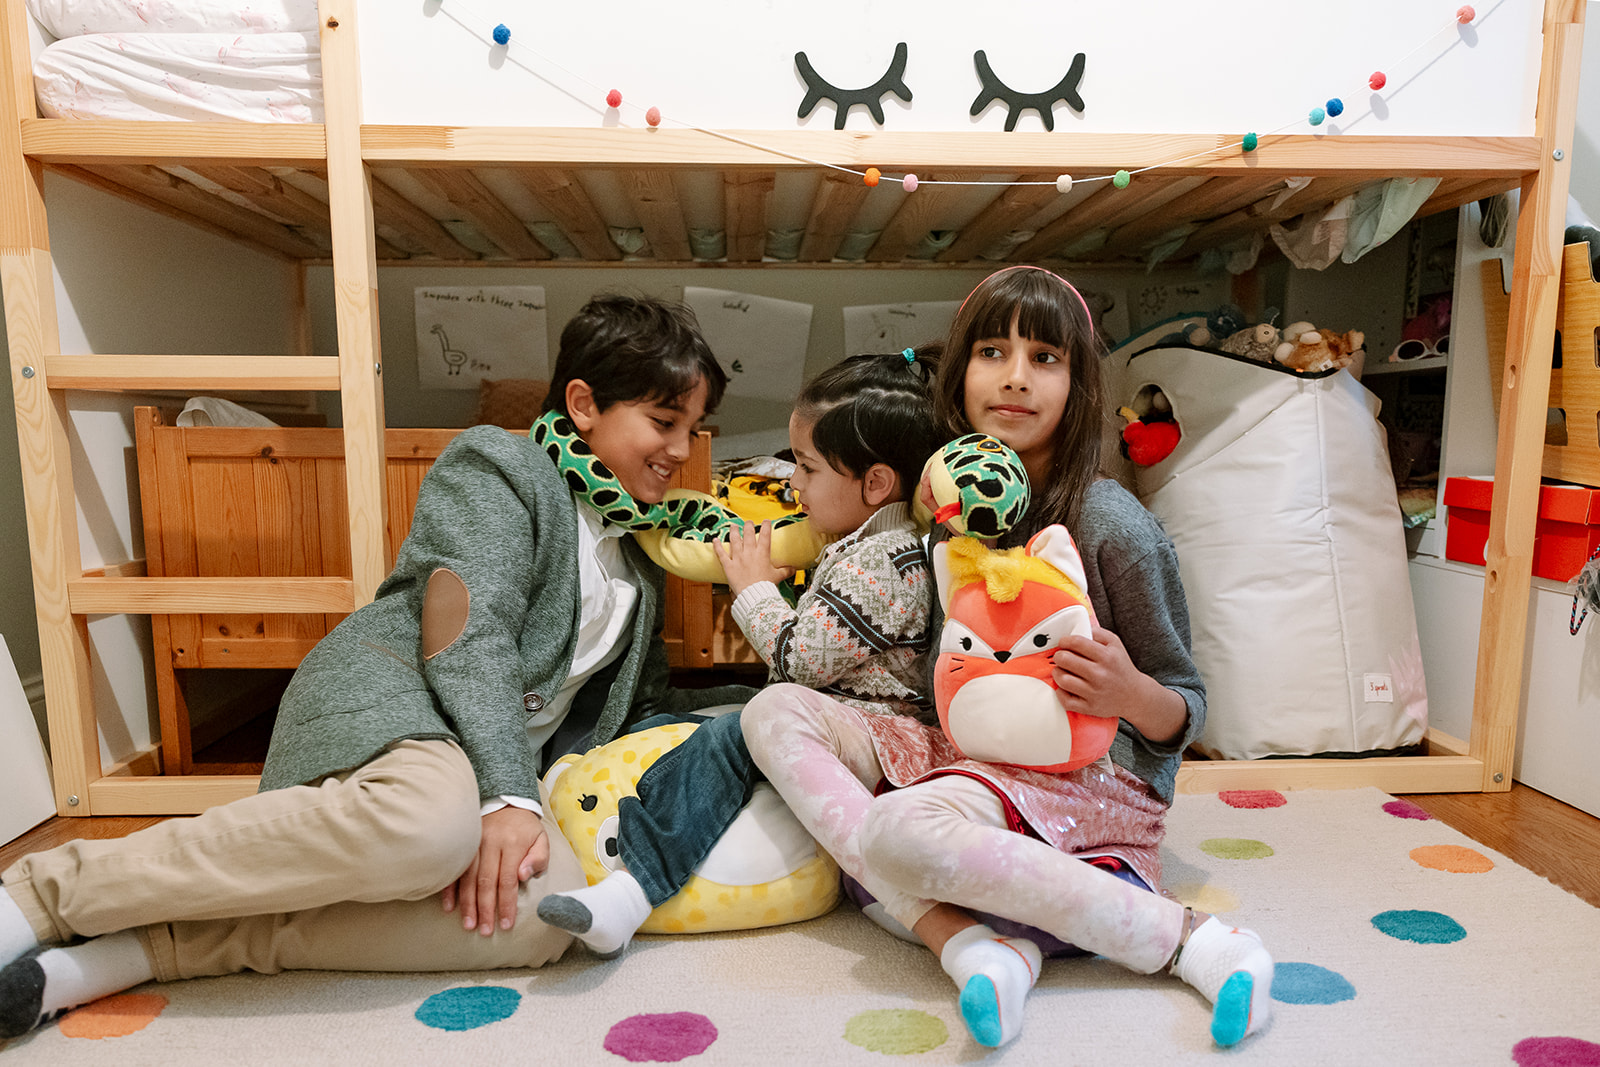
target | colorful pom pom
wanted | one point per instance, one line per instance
(1250, 142)
(1121, 179)
(613, 99)
(909, 182)
(653, 116)
(1317, 115)
(1063, 183)
(502, 33)
(1465, 14)
(1335, 108)
(872, 175)
(1378, 80)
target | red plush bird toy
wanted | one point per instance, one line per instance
(1149, 442)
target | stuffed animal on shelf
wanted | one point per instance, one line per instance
(1320, 350)
(1256, 342)
(1149, 439)
(1006, 611)
(765, 871)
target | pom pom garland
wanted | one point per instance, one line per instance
(653, 116)
(1250, 142)
(871, 176)
(1335, 108)
(1378, 80)
(1063, 183)
(1317, 115)
(502, 34)
(909, 182)
(1466, 14)
(613, 99)
(1121, 179)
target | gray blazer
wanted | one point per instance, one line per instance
(495, 510)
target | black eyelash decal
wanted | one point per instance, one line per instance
(844, 99)
(1065, 91)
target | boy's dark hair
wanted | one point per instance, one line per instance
(1046, 310)
(875, 409)
(634, 348)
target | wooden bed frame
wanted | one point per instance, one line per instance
(247, 502)
(1225, 194)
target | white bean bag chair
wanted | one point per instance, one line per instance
(1280, 500)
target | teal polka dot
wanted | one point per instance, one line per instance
(1306, 983)
(1423, 927)
(468, 1007)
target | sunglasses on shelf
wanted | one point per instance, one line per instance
(1417, 349)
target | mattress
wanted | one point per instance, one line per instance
(71, 18)
(195, 77)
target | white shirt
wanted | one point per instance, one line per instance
(608, 596)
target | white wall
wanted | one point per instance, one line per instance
(127, 281)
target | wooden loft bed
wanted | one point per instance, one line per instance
(357, 219)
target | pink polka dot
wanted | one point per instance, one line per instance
(664, 1038)
(1404, 809)
(1252, 798)
(1555, 1052)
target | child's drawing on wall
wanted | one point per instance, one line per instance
(468, 333)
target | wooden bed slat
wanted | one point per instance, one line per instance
(391, 209)
(655, 200)
(138, 372)
(838, 198)
(484, 211)
(920, 213)
(744, 195)
(1005, 213)
(175, 596)
(564, 197)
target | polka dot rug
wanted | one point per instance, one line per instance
(1397, 940)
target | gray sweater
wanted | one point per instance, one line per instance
(495, 510)
(1132, 568)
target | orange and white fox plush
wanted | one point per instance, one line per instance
(1006, 610)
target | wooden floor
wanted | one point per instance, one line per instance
(1550, 838)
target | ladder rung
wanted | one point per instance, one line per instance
(184, 596)
(192, 372)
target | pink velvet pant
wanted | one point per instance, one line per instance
(942, 840)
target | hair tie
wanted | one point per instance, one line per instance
(911, 356)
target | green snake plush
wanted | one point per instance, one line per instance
(974, 484)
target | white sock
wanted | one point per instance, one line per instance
(994, 975)
(16, 936)
(92, 970)
(1233, 969)
(604, 916)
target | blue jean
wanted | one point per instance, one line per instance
(687, 800)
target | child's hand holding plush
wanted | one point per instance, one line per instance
(1095, 676)
(747, 558)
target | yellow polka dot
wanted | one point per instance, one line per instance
(770, 915)
(602, 774)
(591, 830)
(649, 759)
(759, 892)
(697, 916)
(629, 755)
(1206, 897)
(674, 926)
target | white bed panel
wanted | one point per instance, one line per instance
(1282, 506)
(198, 77)
(70, 18)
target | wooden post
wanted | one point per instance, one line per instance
(1524, 397)
(42, 434)
(355, 282)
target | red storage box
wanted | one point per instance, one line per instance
(1565, 534)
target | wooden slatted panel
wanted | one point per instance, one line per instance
(1015, 205)
(655, 201)
(564, 197)
(475, 204)
(213, 596)
(225, 501)
(1107, 208)
(141, 373)
(268, 193)
(1321, 193)
(395, 212)
(156, 184)
(1217, 197)
(839, 197)
(919, 213)
(172, 709)
(1458, 192)
(744, 197)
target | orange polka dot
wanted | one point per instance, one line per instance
(1452, 858)
(118, 1016)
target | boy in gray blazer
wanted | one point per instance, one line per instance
(405, 759)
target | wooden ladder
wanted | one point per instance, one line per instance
(64, 594)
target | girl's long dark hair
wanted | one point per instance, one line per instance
(875, 409)
(1044, 309)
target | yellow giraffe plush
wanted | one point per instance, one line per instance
(765, 871)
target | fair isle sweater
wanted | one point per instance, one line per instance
(860, 629)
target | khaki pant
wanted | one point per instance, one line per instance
(342, 875)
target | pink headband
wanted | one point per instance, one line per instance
(1088, 316)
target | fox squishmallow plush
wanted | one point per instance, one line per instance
(1006, 610)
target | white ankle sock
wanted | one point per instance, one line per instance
(16, 936)
(92, 970)
(604, 916)
(994, 975)
(1234, 970)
